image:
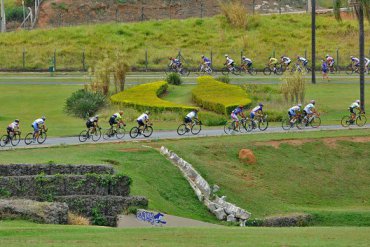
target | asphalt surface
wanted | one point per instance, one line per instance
(161, 135)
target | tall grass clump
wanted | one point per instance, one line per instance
(174, 79)
(83, 103)
(235, 13)
(293, 87)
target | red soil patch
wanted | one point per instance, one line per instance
(247, 156)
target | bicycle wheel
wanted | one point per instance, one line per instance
(208, 71)
(83, 136)
(225, 71)
(361, 120)
(107, 134)
(181, 130)
(196, 128)
(315, 122)
(96, 135)
(346, 121)
(42, 138)
(286, 124)
(236, 70)
(16, 139)
(169, 70)
(4, 140)
(120, 133)
(263, 124)
(279, 71)
(349, 70)
(267, 71)
(148, 131)
(252, 71)
(28, 139)
(229, 127)
(184, 72)
(134, 132)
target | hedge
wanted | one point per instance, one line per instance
(145, 97)
(217, 96)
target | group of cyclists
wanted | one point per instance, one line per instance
(37, 125)
(327, 64)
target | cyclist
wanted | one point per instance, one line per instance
(302, 60)
(143, 120)
(355, 61)
(293, 111)
(234, 115)
(330, 62)
(273, 62)
(175, 63)
(309, 110)
(367, 63)
(189, 118)
(256, 111)
(354, 106)
(286, 61)
(206, 63)
(92, 123)
(229, 62)
(116, 118)
(247, 62)
(37, 125)
(12, 128)
(324, 69)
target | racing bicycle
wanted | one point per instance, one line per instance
(196, 127)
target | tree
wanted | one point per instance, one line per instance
(362, 9)
(2, 15)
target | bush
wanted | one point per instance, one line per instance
(217, 96)
(174, 79)
(14, 13)
(294, 87)
(212, 119)
(145, 97)
(224, 79)
(235, 13)
(83, 103)
(75, 219)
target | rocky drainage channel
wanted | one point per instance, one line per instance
(46, 193)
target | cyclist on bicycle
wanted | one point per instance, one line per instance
(330, 61)
(309, 110)
(229, 62)
(234, 115)
(206, 61)
(247, 62)
(92, 123)
(175, 63)
(355, 61)
(302, 60)
(286, 61)
(293, 112)
(116, 118)
(12, 128)
(143, 120)
(273, 62)
(367, 63)
(256, 111)
(37, 125)
(324, 70)
(354, 106)
(188, 120)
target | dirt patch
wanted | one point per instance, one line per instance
(330, 142)
(247, 156)
(132, 150)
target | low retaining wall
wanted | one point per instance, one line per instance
(222, 209)
(52, 169)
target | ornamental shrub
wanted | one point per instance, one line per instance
(217, 96)
(174, 79)
(224, 79)
(83, 103)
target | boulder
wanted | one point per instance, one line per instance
(220, 213)
(247, 156)
(231, 218)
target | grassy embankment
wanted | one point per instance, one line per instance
(193, 36)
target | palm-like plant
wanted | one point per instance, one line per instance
(362, 10)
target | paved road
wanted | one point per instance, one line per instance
(160, 135)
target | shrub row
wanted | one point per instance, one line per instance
(217, 96)
(145, 97)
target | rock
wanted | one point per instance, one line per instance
(242, 223)
(215, 188)
(220, 214)
(247, 156)
(231, 218)
(43, 212)
(211, 205)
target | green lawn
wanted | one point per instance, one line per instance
(23, 234)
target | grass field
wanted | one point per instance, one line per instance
(164, 38)
(24, 234)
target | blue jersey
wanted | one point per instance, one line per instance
(324, 66)
(206, 60)
(237, 111)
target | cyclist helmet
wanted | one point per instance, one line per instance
(96, 116)
(243, 56)
(120, 112)
(43, 118)
(352, 57)
(358, 101)
(299, 105)
(147, 112)
(202, 56)
(196, 110)
(17, 121)
(241, 106)
(312, 102)
(260, 104)
(226, 55)
(170, 58)
(327, 55)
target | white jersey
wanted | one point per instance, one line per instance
(229, 60)
(191, 115)
(39, 121)
(367, 61)
(286, 59)
(295, 108)
(247, 60)
(143, 117)
(302, 59)
(309, 108)
(14, 125)
(355, 105)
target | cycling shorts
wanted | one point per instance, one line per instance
(234, 117)
(252, 115)
(291, 113)
(351, 110)
(187, 120)
(112, 120)
(89, 124)
(35, 127)
(9, 129)
(140, 122)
